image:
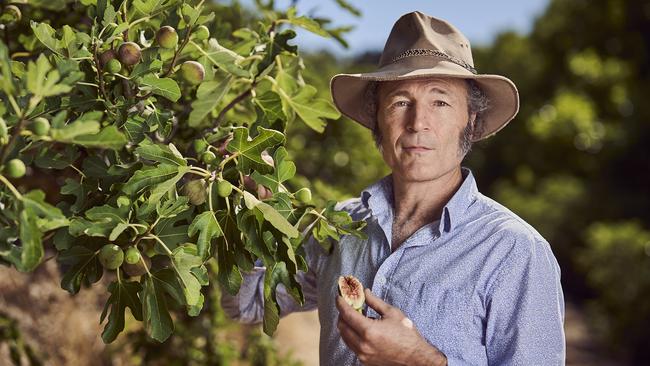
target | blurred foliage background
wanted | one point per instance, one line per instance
(575, 163)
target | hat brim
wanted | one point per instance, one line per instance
(348, 92)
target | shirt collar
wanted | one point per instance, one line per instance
(379, 198)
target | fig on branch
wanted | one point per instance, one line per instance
(192, 72)
(132, 255)
(303, 195)
(113, 66)
(249, 183)
(201, 33)
(195, 190)
(40, 126)
(224, 188)
(167, 37)
(111, 256)
(263, 192)
(106, 56)
(208, 157)
(200, 145)
(15, 168)
(351, 289)
(129, 53)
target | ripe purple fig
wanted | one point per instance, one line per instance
(192, 72)
(263, 192)
(129, 53)
(167, 37)
(351, 289)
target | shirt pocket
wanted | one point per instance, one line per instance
(441, 314)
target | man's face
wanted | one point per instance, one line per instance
(421, 121)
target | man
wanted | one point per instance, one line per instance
(455, 277)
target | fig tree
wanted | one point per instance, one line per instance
(40, 126)
(15, 168)
(303, 195)
(224, 188)
(192, 72)
(201, 33)
(113, 66)
(167, 37)
(129, 53)
(111, 256)
(351, 289)
(132, 255)
(195, 190)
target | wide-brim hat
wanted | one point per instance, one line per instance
(421, 46)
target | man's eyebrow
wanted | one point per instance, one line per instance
(404, 93)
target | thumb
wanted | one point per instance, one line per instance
(378, 304)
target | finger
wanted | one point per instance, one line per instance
(384, 309)
(350, 316)
(349, 336)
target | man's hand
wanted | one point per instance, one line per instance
(391, 340)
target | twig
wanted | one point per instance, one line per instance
(233, 102)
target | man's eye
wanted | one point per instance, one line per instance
(440, 103)
(401, 103)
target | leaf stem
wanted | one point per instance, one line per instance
(11, 187)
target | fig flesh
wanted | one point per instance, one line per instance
(351, 289)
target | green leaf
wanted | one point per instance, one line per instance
(274, 276)
(185, 259)
(42, 80)
(85, 268)
(250, 152)
(107, 138)
(208, 227)
(52, 159)
(45, 33)
(6, 77)
(101, 221)
(271, 215)
(284, 170)
(123, 294)
(157, 320)
(224, 58)
(311, 110)
(306, 23)
(157, 152)
(149, 176)
(276, 45)
(47, 216)
(77, 189)
(164, 87)
(209, 95)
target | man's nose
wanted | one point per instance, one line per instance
(418, 119)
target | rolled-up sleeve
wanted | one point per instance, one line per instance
(248, 305)
(525, 309)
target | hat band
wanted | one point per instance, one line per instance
(426, 52)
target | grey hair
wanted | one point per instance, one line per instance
(477, 103)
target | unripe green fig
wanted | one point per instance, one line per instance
(167, 37)
(40, 126)
(200, 145)
(106, 56)
(132, 255)
(113, 66)
(192, 72)
(195, 190)
(351, 289)
(137, 269)
(129, 53)
(303, 195)
(15, 168)
(12, 14)
(208, 157)
(111, 256)
(201, 33)
(123, 201)
(224, 188)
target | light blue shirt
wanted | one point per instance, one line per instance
(480, 284)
